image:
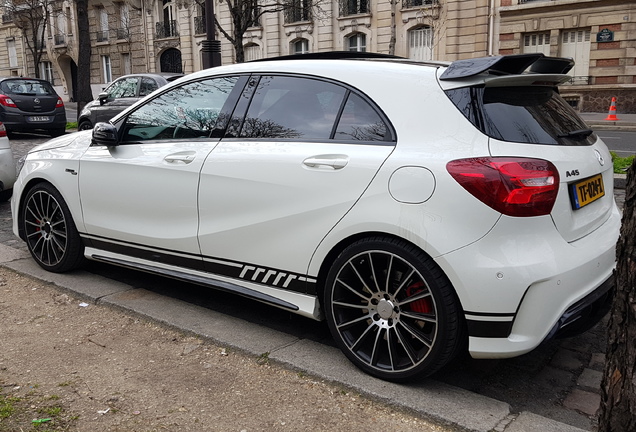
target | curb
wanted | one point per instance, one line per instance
(437, 402)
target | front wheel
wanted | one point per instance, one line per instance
(391, 310)
(51, 235)
(85, 125)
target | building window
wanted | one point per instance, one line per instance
(421, 43)
(102, 33)
(126, 65)
(417, 3)
(253, 52)
(298, 10)
(46, 71)
(357, 42)
(354, 7)
(106, 69)
(13, 54)
(301, 46)
(537, 43)
(576, 45)
(123, 27)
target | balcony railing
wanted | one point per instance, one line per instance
(578, 80)
(123, 33)
(199, 24)
(59, 39)
(102, 36)
(418, 3)
(167, 29)
(298, 12)
(354, 7)
(531, 1)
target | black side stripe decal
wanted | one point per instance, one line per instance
(244, 271)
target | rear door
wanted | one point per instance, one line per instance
(283, 177)
(31, 96)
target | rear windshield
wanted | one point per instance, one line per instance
(532, 115)
(27, 87)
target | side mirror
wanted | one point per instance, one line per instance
(104, 134)
(103, 97)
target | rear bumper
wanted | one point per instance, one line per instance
(522, 284)
(22, 122)
(584, 314)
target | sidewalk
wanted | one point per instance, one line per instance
(596, 121)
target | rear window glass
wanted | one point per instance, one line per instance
(532, 115)
(27, 87)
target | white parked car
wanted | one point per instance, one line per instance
(421, 209)
(7, 166)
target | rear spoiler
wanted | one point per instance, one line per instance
(508, 65)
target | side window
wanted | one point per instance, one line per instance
(293, 108)
(190, 111)
(126, 87)
(360, 122)
(148, 85)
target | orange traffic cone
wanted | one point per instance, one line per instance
(612, 111)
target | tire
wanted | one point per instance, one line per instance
(57, 132)
(5, 195)
(391, 310)
(50, 232)
(85, 125)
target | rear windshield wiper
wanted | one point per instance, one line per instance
(579, 133)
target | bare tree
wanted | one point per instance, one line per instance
(248, 13)
(31, 17)
(618, 388)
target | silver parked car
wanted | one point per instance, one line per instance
(119, 95)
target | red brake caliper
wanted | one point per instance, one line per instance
(422, 305)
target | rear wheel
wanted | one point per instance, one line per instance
(391, 310)
(51, 235)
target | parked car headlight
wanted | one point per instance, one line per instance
(19, 165)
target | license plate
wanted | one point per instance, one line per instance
(587, 191)
(39, 119)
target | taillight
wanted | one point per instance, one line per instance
(512, 186)
(60, 103)
(3, 130)
(7, 101)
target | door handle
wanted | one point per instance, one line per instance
(335, 162)
(184, 158)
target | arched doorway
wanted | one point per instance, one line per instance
(170, 61)
(68, 69)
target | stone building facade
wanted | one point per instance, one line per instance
(599, 34)
(130, 36)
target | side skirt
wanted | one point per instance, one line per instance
(301, 304)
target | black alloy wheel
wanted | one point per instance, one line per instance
(391, 310)
(51, 235)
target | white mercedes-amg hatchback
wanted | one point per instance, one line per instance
(421, 209)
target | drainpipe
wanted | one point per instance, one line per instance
(491, 27)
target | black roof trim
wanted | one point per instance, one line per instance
(331, 55)
(507, 65)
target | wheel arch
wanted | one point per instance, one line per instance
(339, 247)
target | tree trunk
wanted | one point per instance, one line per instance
(618, 392)
(84, 93)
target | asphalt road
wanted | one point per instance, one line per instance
(535, 382)
(621, 142)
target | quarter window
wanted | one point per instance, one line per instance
(190, 111)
